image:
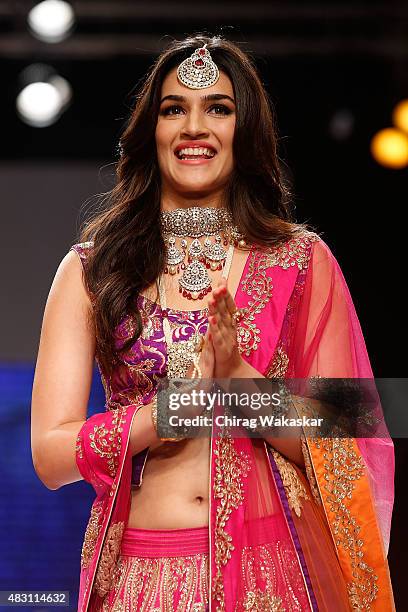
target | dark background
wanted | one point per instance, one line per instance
(318, 61)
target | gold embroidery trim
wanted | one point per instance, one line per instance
(91, 534)
(79, 448)
(230, 468)
(279, 364)
(107, 443)
(270, 579)
(293, 486)
(141, 583)
(342, 467)
(258, 285)
(110, 553)
(262, 602)
(294, 252)
(309, 472)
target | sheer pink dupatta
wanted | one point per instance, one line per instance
(332, 550)
(256, 561)
(328, 342)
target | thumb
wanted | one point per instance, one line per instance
(208, 348)
(209, 345)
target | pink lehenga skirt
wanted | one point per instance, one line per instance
(161, 570)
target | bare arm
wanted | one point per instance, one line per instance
(290, 446)
(63, 376)
(143, 433)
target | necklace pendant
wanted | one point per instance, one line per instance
(193, 261)
(195, 250)
(215, 254)
(195, 283)
(174, 257)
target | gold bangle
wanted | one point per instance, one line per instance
(154, 420)
(154, 412)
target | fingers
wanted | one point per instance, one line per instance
(230, 303)
(207, 357)
(222, 328)
(208, 349)
(207, 362)
(216, 333)
(224, 294)
(222, 282)
(222, 306)
(218, 319)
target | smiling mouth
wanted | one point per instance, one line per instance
(195, 153)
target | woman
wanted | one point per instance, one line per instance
(197, 242)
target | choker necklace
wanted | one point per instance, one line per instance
(195, 222)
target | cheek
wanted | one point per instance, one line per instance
(163, 139)
(228, 149)
(227, 136)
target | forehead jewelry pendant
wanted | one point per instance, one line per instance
(198, 70)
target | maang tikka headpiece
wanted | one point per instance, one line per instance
(198, 70)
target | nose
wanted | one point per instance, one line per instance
(194, 124)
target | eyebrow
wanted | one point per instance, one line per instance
(207, 98)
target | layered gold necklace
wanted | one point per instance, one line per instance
(181, 229)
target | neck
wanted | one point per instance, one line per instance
(171, 201)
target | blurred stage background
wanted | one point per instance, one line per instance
(337, 73)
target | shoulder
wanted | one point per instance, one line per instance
(74, 263)
(82, 249)
(68, 289)
(296, 251)
(322, 253)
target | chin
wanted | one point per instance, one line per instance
(194, 191)
(196, 187)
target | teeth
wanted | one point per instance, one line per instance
(195, 152)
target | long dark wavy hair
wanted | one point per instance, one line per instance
(129, 252)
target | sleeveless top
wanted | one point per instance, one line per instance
(138, 371)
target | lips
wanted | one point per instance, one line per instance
(196, 149)
(192, 153)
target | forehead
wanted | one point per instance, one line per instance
(172, 86)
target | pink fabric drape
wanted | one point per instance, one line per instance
(103, 459)
(306, 326)
(271, 544)
(328, 342)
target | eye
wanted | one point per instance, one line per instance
(171, 110)
(176, 109)
(220, 109)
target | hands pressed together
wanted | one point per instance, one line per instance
(220, 356)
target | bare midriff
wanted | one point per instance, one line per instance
(175, 487)
(174, 491)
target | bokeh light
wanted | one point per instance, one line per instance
(389, 147)
(51, 20)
